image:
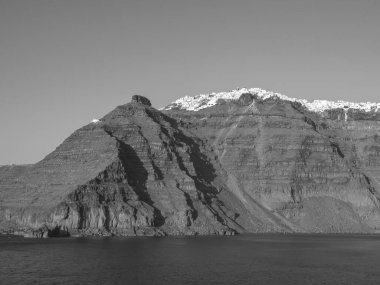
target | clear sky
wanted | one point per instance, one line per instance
(65, 62)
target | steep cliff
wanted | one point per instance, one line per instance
(221, 163)
(316, 165)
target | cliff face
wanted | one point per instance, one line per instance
(318, 171)
(249, 164)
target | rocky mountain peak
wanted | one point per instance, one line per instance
(141, 100)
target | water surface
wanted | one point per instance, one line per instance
(244, 259)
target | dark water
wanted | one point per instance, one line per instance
(246, 259)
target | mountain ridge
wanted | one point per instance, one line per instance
(243, 165)
(198, 102)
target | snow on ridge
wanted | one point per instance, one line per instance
(203, 101)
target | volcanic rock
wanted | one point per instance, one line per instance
(238, 162)
(141, 99)
(246, 99)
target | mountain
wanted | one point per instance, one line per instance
(243, 161)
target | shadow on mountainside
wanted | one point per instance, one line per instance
(137, 176)
(205, 172)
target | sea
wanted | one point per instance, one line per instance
(242, 259)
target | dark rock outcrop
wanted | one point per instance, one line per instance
(246, 99)
(141, 99)
(246, 166)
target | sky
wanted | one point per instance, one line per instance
(65, 62)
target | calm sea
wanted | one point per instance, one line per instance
(245, 259)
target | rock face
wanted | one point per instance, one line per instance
(246, 99)
(141, 100)
(245, 163)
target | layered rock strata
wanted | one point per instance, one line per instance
(243, 164)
